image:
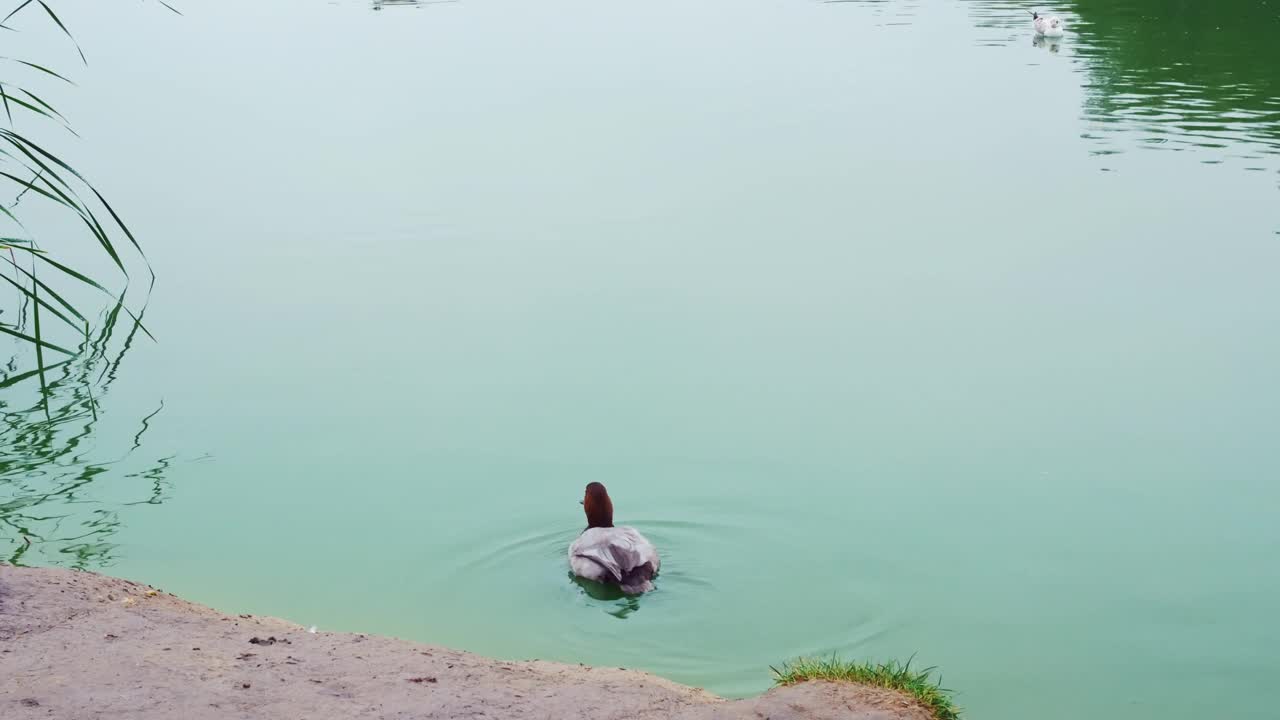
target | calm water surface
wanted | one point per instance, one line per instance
(897, 331)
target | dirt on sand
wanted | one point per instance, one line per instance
(78, 645)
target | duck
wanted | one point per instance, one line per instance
(1047, 26)
(609, 554)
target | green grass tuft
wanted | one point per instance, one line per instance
(893, 675)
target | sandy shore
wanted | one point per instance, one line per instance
(80, 645)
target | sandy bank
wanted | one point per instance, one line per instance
(80, 645)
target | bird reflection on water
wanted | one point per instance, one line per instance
(623, 605)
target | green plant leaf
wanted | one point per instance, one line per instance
(41, 68)
(15, 11)
(28, 338)
(54, 15)
(69, 307)
(120, 223)
(43, 104)
(5, 96)
(30, 185)
(41, 301)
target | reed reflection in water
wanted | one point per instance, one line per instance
(62, 488)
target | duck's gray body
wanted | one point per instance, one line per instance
(617, 556)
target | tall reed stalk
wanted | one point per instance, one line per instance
(40, 277)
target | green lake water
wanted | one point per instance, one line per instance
(897, 331)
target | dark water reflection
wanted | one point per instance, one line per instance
(1166, 74)
(1157, 74)
(1186, 75)
(61, 486)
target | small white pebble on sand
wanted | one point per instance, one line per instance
(312, 629)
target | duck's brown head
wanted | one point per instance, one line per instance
(598, 506)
